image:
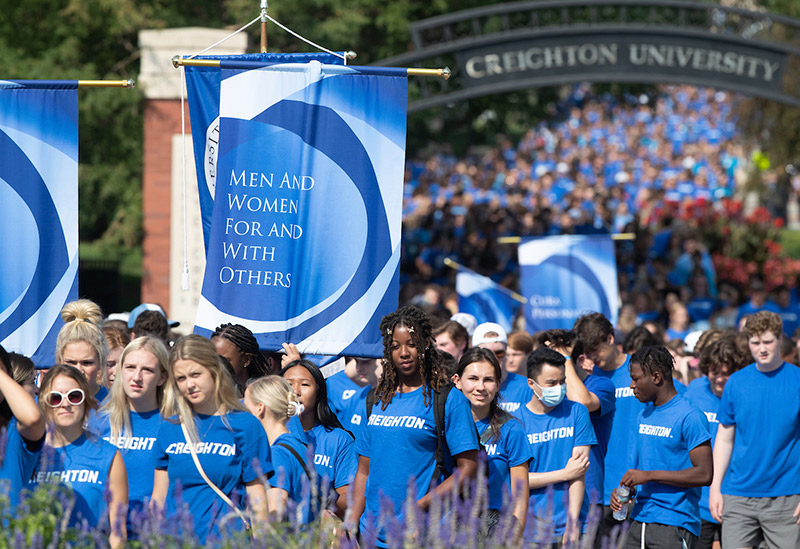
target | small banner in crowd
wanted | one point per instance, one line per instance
(486, 300)
(39, 194)
(305, 233)
(564, 277)
(202, 86)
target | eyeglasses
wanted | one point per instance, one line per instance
(75, 397)
(500, 354)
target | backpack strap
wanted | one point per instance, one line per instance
(297, 457)
(370, 401)
(439, 401)
(488, 434)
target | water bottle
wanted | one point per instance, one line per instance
(623, 494)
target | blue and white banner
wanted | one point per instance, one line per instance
(305, 233)
(486, 300)
(202, 86)
(564, 277)
(39, 223)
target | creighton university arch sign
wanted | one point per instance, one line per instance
(505, 47)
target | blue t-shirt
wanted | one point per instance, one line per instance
(664, 437)
(342, 393)
(551, 438)
(514, 392)
(136, 451)
(765, 408)
(334, 455)
(82, 466)
(231, 454)
(601, 420)
(510, 450)
(352, 415)
(18, 462)
(290, 476)
(700, 396)
(622, 429)
(400, 442)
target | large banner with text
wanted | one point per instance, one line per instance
(202, 88)
(39, 224)
(305, 233)
(564, 277)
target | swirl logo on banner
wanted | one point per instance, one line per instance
(39, 194)
(305, 232)
(564, 277)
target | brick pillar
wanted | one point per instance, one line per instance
(162, 183)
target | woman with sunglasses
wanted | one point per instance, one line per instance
(399, 439)
(334, 455)
(478, 377)
(202, 412)
(25, 426)
(90, 465)
(132, 415)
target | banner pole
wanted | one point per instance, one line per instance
(179, 61)
(263, 26)
(518, 239)
(129, 83)
(454, 265)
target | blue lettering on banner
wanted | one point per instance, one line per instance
(655, 430)
(410, 422)
(552, 434)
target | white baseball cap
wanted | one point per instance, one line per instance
(486, 328)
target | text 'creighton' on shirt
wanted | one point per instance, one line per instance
(410, 422)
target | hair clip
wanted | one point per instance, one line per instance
(294, 408)
(410, 329)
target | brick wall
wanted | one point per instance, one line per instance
(162, 119)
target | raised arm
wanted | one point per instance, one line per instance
(30, 422)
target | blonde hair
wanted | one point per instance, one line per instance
(82, 323)
(200, 350)
(118, 406)
(277, 396)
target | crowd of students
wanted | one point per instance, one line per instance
(574, 417)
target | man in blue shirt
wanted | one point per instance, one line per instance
(560, 435)
(718, 361)
(671, 457)
(602, 354)
(756, 488)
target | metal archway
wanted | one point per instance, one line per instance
(506, 47)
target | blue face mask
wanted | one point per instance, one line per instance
(552, 396)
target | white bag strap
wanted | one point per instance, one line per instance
(213, 486)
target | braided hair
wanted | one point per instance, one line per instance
(434, 376)
(246, 342)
